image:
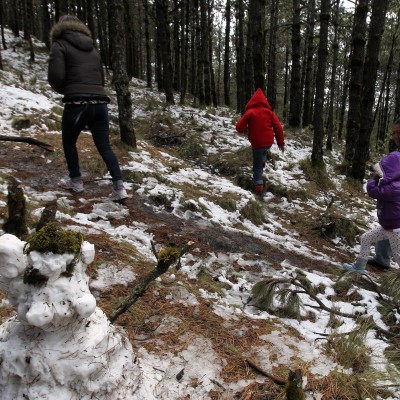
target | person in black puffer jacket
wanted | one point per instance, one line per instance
(75, 70)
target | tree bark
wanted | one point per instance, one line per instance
(376, 28)
(309, 67)
(356, 73)
(227, 84)
(120, 77)
(163, 39)
(271, 80)
(240, 56)
(258, 41)
(332, 83)
(204, 52)
(295, 88)
(318, 120)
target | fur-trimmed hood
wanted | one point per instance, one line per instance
(76, 33)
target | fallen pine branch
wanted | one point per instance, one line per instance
(165, 258)
(258, 369)
(28, 140)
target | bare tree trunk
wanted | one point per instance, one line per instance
(227, 84)
(147, 43)
(258, 42)
(332, 84)
(375, 32)
(61, 8)
(102, 24)
(210, 19)
(177, 47)
(185, 50)
(271, 80)
(286, 85)
(204, 51)
(318, 120)
(356, 72)
(343, 99)
(120, 77)
(240, 53)
(295, 88)
(3, 38)
(163, 38)
(308, 80)
(46, 26)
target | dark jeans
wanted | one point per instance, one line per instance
(95, 116)
(259, 158)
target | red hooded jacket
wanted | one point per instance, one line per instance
(263, 124)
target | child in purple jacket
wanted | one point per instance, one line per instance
(385, 188)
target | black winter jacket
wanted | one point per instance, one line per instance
(75, 68)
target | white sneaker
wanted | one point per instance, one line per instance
(70, 185)
(118, 194)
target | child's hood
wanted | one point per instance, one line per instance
(258, 100)
(390, 166)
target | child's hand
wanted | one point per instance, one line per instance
(282, 148)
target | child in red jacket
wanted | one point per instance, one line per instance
(263, 126)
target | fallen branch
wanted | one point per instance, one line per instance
(258, 369)
(28, 140)
(165, 258)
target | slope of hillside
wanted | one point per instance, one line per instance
(197, 327)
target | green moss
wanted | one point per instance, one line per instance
(52, 239)
(169, 255)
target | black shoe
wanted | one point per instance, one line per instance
(374, 263)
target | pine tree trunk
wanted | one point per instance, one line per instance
(147, 43)
(375, 32)
(295, 88)
(177, 47)
(61, 8)
(193, 63)
(356, 73)
(185, 50)
(343, 100)
(286, 85)
(120, 76)
(200, 67)
(308, 80)
(332, 83)
(102, 23)
(240, 52)
(318, 120)
(90, 18)
(271, 82)
(205, 31)
(258, 19)
(210, 18)
(227, 57)
(45, 23)
(3, 38)
(163, 39)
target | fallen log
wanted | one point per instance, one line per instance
(28, 140)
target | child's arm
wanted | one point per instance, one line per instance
(384, 191)
(278, 132)
(241, 125)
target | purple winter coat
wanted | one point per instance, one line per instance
(387, 191)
